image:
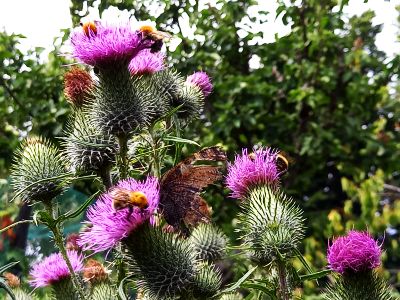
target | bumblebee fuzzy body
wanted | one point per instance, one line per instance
(123, 198)
(88, 28)
(158, 37)
(282, 161)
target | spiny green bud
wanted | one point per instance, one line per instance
(14, 284)
(165, 86)
(103, 291)
(96, 275)
(123, 104)
(38, 159)
(87, 148)
(362, 285)
(207, 282)
(64, 290)
(232, 296)
(271, 223)
(164, 263)
(209, 242)
(192, 100)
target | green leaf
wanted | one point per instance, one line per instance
(240, 281)
(315, 275)
(78, 211)
(4, 286)
(180, 140)
(303, 261)
(261, 288)
(8, 266)
(121, 291)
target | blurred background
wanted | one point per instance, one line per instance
(315, 78)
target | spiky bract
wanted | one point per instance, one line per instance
(270, 223)
(358, 286)
(37, 160)
(209, 242)
(54, 269)
(164, 263)
(231, 296)
(63, 289)
(250, 170)
(103, 291)
(107, 227)
(123, 105)
(207, 282)
(88, 149)
(192, 101)
(355, 252)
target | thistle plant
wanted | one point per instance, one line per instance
(54, 271)
(354, 258)
(271, 224)
(148, 218)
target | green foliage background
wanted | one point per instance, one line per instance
(323, 93)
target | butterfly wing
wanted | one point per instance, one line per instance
(181, 187)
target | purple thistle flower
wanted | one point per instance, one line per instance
(54, 268)
(102, 45)
(146, 62)
(202, 81)
(249, 170)
(107, 226)
(355, 252)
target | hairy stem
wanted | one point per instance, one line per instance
(156, 166)
(59, 241)
(283, 284)
(15, 224)
(123, 153)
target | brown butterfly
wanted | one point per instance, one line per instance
(180, 200)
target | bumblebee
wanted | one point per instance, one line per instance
(158, 37)
(282, 161)
(88, 28)
(123, 198)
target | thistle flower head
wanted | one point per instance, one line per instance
(37, 159)
(94, 272)
(77, 86)
(202, 81)
(146, 62)
(250, 170)
(12, 280)
(109, 226)
(102, 45)
(355, 252)
(54, 269)
(72, 242)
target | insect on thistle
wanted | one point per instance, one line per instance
(157, 36)
(89, 28)
(123, 198)
(282, 161)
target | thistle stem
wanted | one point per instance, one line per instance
(15, 224)
(59, 241)
(156, 167)
(123, 153)
(283, 285)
